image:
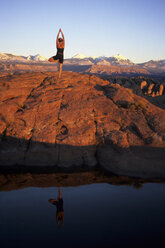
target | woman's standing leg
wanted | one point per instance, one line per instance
(60, 69)
(59, 193)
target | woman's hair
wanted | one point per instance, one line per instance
(60, 39)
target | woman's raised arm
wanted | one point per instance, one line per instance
(63, 37)
(58, 37)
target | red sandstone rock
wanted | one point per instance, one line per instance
(79, 120)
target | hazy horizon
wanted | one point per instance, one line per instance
(85, 56)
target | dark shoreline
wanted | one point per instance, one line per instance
(12, 178)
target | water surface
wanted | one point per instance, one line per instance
(96, 215)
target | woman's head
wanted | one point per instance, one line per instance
(60, 40)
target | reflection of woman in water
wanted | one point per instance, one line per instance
(60, 44)
(60, 211)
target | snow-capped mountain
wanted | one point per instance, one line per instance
(37, 57)
(82, 56)
(11, 57)
(3, 56)
(103, 62)
(100, 60)
(119, 57)
(119, 60)
(79, 56)
(154, 65)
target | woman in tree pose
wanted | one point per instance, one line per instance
(60, 44)
(59, 206)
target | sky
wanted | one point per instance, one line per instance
(133, 28)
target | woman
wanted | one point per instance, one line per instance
(60, 211)
(60, 44)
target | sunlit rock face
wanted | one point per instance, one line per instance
(79, 121)
(152, 89)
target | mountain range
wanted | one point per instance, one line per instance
(101, 60)
(11, 57)
(117, 60)
(153, 66)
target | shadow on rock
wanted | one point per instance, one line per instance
(133, 161)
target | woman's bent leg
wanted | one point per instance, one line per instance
(52, 59)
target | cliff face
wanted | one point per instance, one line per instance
(116, 70)
(79, 120)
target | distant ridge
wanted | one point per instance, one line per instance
(152, 66)
(79, 56)
(100, 60)
(11, 57)
(37, 57)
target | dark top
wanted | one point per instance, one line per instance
(60, 50)
(59, 205)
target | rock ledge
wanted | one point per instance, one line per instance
(79, 120)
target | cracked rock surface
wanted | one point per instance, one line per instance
(79, 120)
